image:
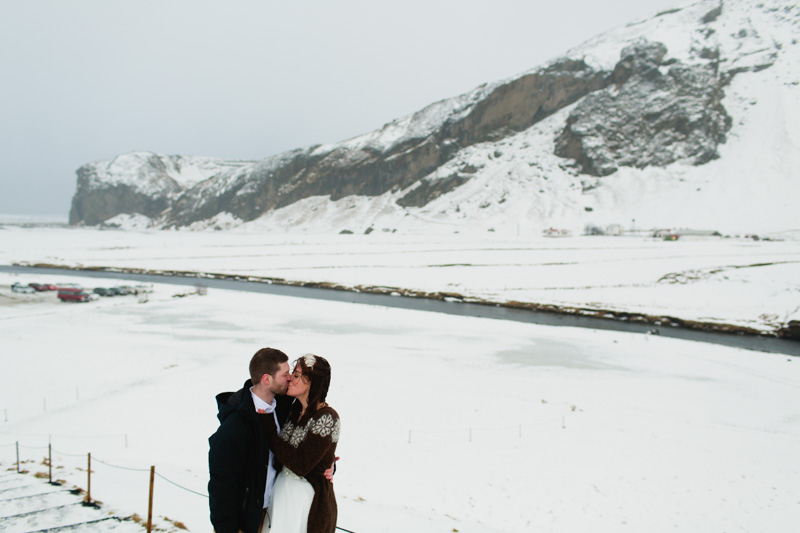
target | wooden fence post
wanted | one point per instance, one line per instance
(17, 457)
(50, 462)
(150, 506)
(88, 498)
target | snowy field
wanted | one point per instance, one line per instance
(449, 423)
(735, 281)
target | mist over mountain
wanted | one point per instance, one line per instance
(687, 119)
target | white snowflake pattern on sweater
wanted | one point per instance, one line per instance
(325, 426)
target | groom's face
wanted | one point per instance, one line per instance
(280, 379)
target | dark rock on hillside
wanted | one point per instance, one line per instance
(712, 15)
(655, 113)
(247, 192)
(97, 206)
(429, 189)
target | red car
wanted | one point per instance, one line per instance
(73, 295)
(39, 287)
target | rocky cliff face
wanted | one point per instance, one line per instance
(655, 113)
(369, 166)
(651, 107)
(139, 182)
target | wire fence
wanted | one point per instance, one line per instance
(182, 487)
(48, 461)
(414, 436)
(120, 467)
(463, 432)
(96, 460)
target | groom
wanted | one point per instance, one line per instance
(240, 486)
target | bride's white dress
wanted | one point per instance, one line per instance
(290, 503)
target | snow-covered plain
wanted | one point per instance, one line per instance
(716, 280)
(450, 423)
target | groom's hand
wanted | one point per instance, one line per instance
(329, 472)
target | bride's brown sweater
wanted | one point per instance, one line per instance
(308, 447)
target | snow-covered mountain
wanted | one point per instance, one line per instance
(687, 119)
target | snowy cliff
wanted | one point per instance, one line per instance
(685, 119)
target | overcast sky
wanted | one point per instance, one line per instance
(84, 80)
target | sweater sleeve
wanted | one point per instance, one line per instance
(306, 446)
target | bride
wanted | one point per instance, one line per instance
(303, 500)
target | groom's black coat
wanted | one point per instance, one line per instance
(237, 460)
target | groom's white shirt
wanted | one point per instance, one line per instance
(262, 406)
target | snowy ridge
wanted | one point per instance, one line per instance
(747, 34)
(415, 126)
(147, 172)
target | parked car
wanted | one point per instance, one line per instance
(71, 294)
(40, 287)
(19, 287)
(102, 291)
(122, 291)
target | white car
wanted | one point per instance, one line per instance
(18, 287)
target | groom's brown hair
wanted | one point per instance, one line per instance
(266, 361)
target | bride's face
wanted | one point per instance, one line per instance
(299, 384)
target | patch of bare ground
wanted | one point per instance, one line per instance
(690, 276)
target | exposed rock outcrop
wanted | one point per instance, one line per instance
(98, 205)
(102, 194)
(654, 114)
(138, 182)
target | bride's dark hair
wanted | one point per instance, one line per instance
(318, 370)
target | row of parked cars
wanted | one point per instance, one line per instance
(32, 287)
(72, 292)
(122, 290)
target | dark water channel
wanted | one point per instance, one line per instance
(759, 343)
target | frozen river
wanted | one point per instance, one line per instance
(759, 343)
